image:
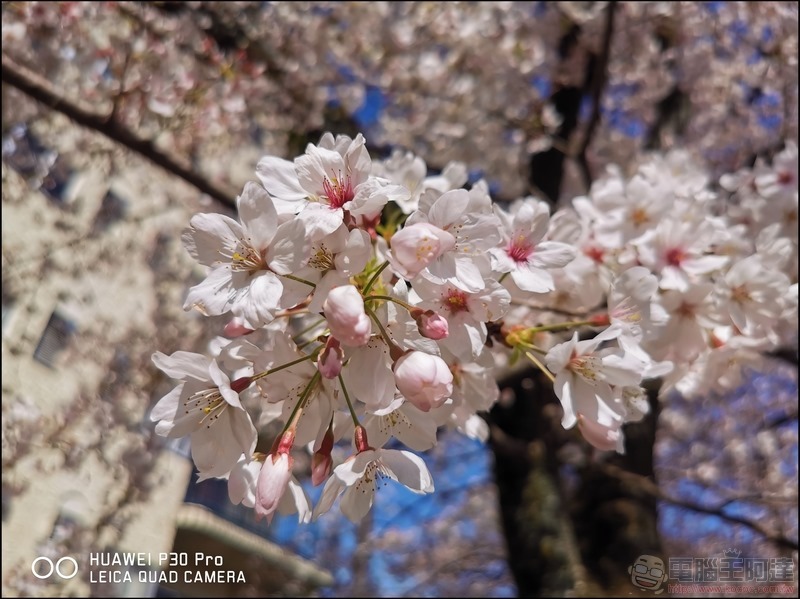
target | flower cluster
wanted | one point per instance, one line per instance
(368, 304)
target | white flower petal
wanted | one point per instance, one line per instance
(258, 305)
(258, 216)
(553, 254)
(409, 469)
(207, 233)
(183, 364)
(290, 248)
(333, 488)
(357, 502)
(279, 178)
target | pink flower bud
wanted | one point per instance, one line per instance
(360, 439)
(272, 482)
(416, 246)
(430, 324)
(241, 383)
(344, 309)
(329, 362)
(235, 328)
(321, 466)
(321, 462)
(424, 379)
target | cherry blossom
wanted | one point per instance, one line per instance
(348, 320)
(357, 478)
(525, 255)
(206, 407)
(246, 260)
(585, 377)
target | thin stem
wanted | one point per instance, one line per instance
(306, 343)
(389, 298)
(297, 310)
(289, 313)
(541, 366)
(374, 278)
(261, 375)
(384, 334)
(349, 403)
(532, 347)
(562, 325)
(298, 409)
(521, 302)
(299, 280)
(299, 335)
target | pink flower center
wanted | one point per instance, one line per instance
(785, 177)
(686, 310)
(595, 253)
(675, 256)
(519, 249)
(339, 191)
(456, 301)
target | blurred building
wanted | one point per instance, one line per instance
(93, 281)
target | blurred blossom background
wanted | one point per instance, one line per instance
(122, 119)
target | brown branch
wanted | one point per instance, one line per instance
(786, 354)
(648, 487)
(599, 77)
(569, 313)
(40, 90)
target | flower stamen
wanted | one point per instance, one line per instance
(338, 191)
(209, 402)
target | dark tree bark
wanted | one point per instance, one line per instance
(582, 542)
(615, 521)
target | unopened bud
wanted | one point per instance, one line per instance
(347, 320)
(423, 379)
(321, 462)
(286, 442)
(360, 439)
(329, 362)
(241, 384)
(272, 482)
(430, 324)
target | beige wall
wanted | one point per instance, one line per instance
(73, 433)
(76, 444)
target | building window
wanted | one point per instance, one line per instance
(56, 182)
(54, 340)
(23, 152)
(112, 209)
(42, 167)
